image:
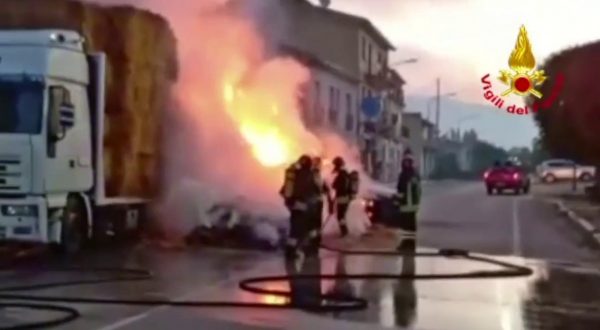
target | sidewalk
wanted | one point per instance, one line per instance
(574, 205)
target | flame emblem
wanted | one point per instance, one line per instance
(522, 78)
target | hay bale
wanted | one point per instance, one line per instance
(142, 65)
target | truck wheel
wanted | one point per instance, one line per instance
(526, 190)
(490, 190)
(74, 226)
(549, 178)
(585, 177)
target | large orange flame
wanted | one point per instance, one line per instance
(269, 145)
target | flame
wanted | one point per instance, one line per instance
(235, 116)
(521, 59)
(269, 145)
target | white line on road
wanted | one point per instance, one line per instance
(516, 228)
(125, 321)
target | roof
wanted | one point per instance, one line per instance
(359, 21)
(418, 115)
(313, 60)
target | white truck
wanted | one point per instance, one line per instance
(52, 117)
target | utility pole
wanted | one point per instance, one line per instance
(437, 106)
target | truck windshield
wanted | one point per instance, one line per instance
(21, 104)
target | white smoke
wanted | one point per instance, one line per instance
(210, 162)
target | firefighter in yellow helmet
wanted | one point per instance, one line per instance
(408, 198)
(299, 191)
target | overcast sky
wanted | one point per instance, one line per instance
(461, 40)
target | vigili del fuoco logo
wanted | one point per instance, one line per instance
(522, 79)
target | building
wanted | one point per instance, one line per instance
(354, 46)
(329, 100)
(461, 147)
(388, 140)
(420, 137)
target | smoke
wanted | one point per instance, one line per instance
(237, 122)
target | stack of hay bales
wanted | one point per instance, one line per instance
(142, 66)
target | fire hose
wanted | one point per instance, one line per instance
(326, 302)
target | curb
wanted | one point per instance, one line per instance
(582, 222)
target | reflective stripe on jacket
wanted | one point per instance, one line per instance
(411, 198)
(343, 199)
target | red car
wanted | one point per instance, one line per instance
(506, 177)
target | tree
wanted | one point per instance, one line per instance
(570, 127)
(524, 155)
(446, 166)
(485, 154)
(538, 152)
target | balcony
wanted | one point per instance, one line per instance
(388, 81)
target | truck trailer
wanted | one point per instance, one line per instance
(53, 143)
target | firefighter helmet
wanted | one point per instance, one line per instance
(304, 161)
(338, 162)
(408, 161)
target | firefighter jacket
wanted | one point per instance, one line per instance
(321, 184)
(300, 189)
(409, 193)
(342, 185)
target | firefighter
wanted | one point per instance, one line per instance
(317, 214)
(299, 192)
(342, 186)
(408, 197)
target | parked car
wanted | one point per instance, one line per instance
(380, 204)
(506, 177)
(553, 170)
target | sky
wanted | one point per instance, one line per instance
(462, 40)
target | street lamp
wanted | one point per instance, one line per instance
(434, 98)
(407, 61)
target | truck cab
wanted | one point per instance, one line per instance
(51, 137)
(45, 145)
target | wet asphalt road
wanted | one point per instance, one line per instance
(454, 215)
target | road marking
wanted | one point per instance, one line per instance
(516, 228)
(597, 238)
(584, 223)
(126, 321)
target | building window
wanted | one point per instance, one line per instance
(349, 113)
(405, 132)
(333, 100)
(364, 48)
(317, 109)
